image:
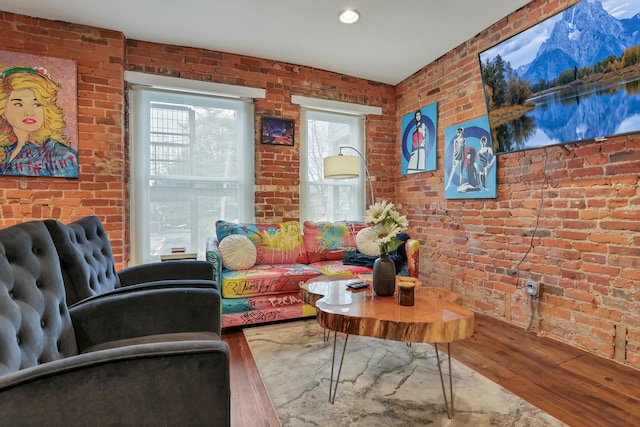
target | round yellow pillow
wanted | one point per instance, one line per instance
(365, 242)
(237, 251)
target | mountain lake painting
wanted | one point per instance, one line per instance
(572, 77)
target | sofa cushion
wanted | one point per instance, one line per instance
(237, 252)
(254, 315)
(276, 243)
(365, 242)
(265, 279)
(326, 241)
(261, 302)
(330, 268)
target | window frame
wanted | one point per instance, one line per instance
(334, 107)
(141, 97)
(357, 184)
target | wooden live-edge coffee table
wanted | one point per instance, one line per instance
(437, 317)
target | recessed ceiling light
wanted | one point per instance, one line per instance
(349, 16)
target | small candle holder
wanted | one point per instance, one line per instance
(406, 292)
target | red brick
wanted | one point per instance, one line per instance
(581, 247)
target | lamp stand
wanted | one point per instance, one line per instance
(366, 170)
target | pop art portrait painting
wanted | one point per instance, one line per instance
(470, 167)
(419, 131)
(38, 116)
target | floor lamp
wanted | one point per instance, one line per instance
(345, 167)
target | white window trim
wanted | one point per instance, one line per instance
(194, 86)
(335, 106)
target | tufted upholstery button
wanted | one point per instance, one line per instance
(33, 312)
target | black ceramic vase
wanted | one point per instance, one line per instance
(384, 276)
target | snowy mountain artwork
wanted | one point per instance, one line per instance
(570, 78)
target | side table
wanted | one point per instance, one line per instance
(178, 256)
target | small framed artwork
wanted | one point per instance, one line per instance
(470, 168)
(277, 131)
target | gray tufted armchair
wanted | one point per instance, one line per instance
(89, 269)
(113, 361)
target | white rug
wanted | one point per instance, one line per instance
(383, 383)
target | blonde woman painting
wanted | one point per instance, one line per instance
(32, 140)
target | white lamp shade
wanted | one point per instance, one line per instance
(341, 167)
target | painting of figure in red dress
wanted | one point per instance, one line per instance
(38, 116)
(419, 131)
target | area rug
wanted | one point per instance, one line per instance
(383, 383)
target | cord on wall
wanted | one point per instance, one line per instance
(535, 229)
(534, 300)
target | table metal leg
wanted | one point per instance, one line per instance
(333, 383)
(448, 408)
(334, 388)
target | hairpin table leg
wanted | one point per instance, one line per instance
(334, 388)
(448, 408)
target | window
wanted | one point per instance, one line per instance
(330, 199)
(191, 164)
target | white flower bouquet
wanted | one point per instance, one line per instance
(387, 223)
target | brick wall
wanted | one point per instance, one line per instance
(100, 189)
(585, 249)
(102, 57)
(277, 168)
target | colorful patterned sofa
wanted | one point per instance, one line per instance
(258, 267)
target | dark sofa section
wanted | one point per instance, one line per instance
(114, 359)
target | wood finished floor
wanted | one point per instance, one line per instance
(573, 386)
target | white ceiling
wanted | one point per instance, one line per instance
(392, 40)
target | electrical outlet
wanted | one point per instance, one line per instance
(532, 288)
